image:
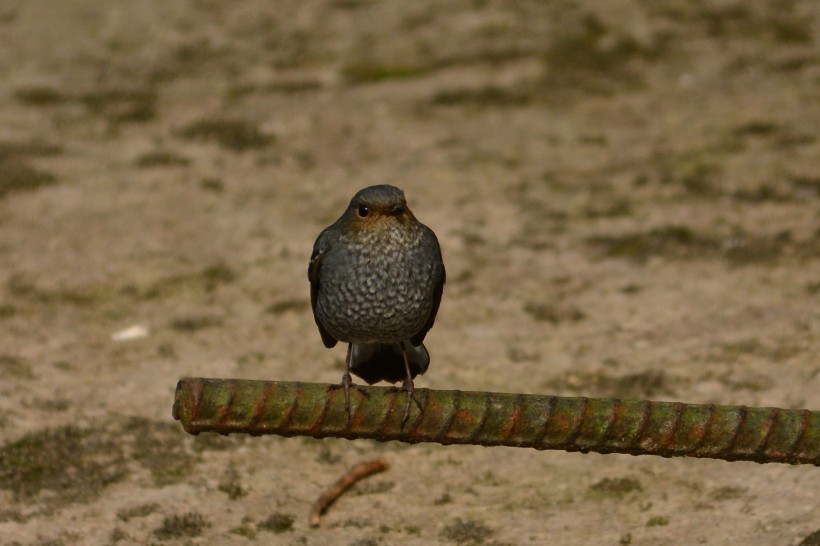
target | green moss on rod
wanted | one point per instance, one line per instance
(668, 429)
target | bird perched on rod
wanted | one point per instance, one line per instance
(376, 279)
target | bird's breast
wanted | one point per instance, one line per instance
(371, 293)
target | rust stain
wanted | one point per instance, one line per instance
(739, 422)
(222, 415)
(485, 414)
(318, 423)
(288, 417)
(614, 415)
(706, 428)
(259, 406)
(669, 441)
(805, 415)
(513, 423)
(580, 416)
(646, 409)
(772, 422)
(455, 410)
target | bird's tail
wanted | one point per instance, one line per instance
(375, 362)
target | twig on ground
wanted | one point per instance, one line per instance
(358, 472)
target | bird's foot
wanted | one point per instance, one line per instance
(407, 387)
(346, 383)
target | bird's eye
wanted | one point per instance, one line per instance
(363, 211)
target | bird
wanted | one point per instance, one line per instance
(376, 280)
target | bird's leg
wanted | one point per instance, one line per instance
(347, 382)
(408, 387)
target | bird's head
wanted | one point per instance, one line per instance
(378, 207)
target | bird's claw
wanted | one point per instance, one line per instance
(407, 387)
(346, 383)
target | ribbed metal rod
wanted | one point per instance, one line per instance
(668, 429)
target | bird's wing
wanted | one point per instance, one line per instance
(313, 276)
(438, 290)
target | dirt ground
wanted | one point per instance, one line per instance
(627, 195)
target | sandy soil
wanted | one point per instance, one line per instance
(628, 199)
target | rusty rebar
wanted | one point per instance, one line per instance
(635, 427)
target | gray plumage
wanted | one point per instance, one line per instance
(376, 278)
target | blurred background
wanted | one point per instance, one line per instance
(627, 195)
